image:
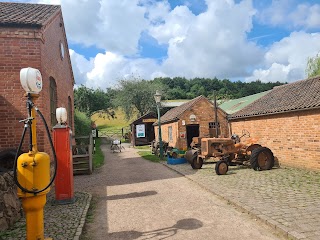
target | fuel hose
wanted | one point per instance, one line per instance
(26, 125)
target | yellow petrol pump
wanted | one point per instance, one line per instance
(32, 169)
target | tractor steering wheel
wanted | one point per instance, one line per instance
(245, 133)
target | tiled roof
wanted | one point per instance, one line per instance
(236, 105)
(147, 115)
(25, 14)
(174, 113)
(300, 95)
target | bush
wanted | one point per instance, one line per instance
(82, 124)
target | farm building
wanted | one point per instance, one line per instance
(33, 35)
(195, 118)
(287, 120)
(142, 129)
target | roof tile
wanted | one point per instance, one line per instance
(25, 14)
(174, 113)
(300, 95)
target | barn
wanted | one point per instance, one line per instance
(195, 118)
(287, 120)
(33, 35)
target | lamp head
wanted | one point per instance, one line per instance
(61, 115)
(31, 80)
(157, 96)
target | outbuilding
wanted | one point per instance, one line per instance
(195, 118)
(142, 129)
(287, 120)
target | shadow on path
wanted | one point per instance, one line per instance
(132, 195)
(163, 233)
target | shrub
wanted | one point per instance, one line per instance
(82, 124)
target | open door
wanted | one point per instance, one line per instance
(192, 131)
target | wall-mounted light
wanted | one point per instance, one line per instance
(192, 117)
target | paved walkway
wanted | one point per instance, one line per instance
(61, 222)
(286, 199)
(137, 199)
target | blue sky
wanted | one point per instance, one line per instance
(245, 40)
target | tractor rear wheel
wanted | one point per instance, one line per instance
(262, 159)
(221, 167)
(197, 162)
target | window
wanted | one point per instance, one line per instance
(53, 101)
(69, 112)
(170, 134)
(61, 50)
(213, 124)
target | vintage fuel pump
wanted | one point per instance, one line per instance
(32, 169)
(62, 136)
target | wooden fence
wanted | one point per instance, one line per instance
(82, 155)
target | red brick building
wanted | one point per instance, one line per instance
(195, 118)
(33, 35)
(287, 120)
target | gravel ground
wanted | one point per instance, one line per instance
(137, 199)
(61, 222)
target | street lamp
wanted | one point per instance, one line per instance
(157, 98)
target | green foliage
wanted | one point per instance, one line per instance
(149, 156)
(136, 96)
(98, 157)
(182, 88)
(89, 101)
(313, 66)
(82, 123)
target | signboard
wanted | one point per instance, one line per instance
(140, 131)
(94, 132)
(182, 134)
(149, 120)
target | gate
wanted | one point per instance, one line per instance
(82, 155)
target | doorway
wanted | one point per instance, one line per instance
(192, 131)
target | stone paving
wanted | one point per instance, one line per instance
(62, 222)
(284, 198)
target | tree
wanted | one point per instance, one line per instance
(313, 66)
(136, 96)
(89, 101)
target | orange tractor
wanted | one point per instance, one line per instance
(230, 151)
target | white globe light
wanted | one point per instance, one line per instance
(31, 80)
(61, 115)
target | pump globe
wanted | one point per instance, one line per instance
(61, 115)
(31, 80)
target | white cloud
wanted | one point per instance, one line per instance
(211, 44)
(176, 24)
(291, 14)
(111, 25)
(215, 45)
(286, 60)
(106, 69)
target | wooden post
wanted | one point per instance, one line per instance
(90, 154)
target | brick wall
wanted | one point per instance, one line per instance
(53, 65)
(19, 48)
(293, 137)
(204, 112)
(37, 48)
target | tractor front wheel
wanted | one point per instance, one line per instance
(221, 167)
(262, 159)
(197, 162)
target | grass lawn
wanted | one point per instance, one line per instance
(146, 147)
(149, 156)
(98, 158)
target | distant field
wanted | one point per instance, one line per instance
(111, 124)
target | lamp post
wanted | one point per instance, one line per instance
(157, 98)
